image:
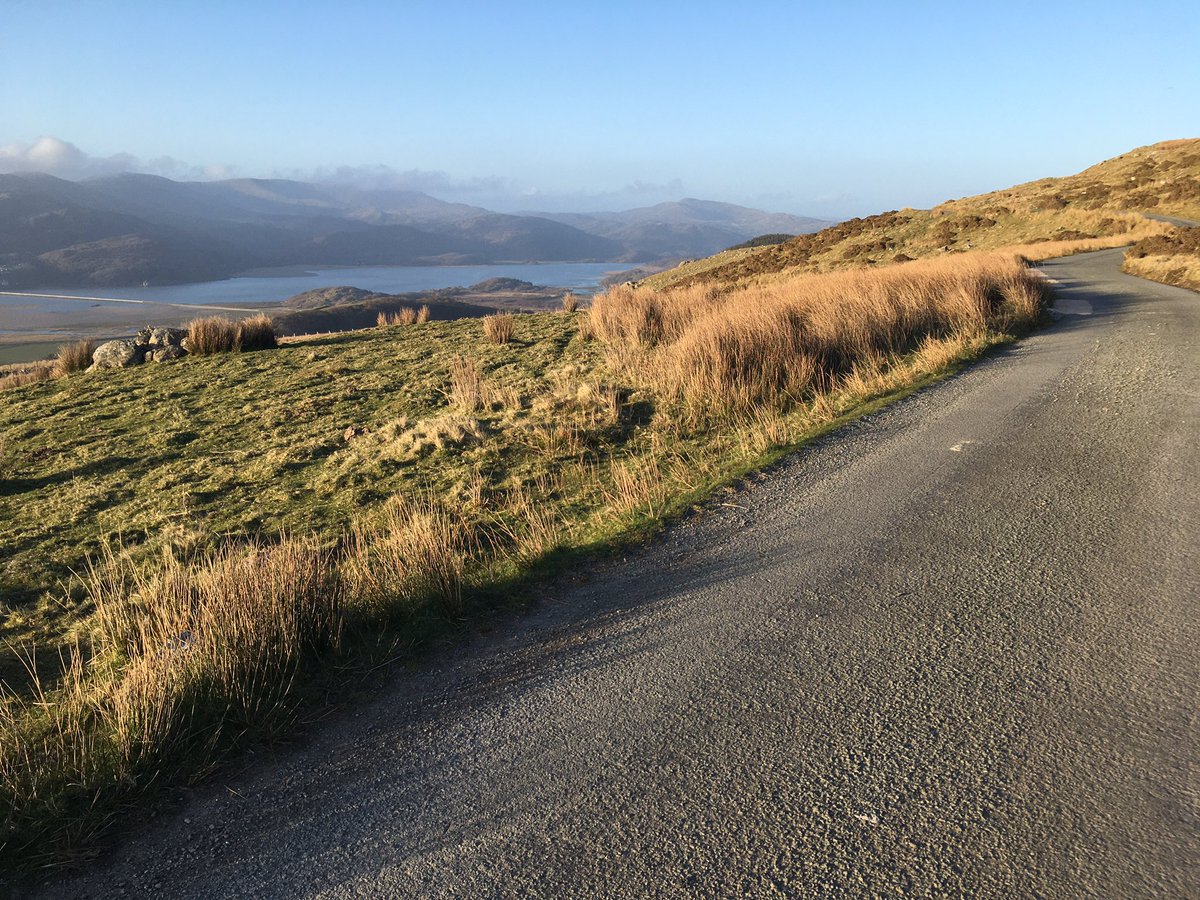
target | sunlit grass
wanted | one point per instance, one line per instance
(244, 527)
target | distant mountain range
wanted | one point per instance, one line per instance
(129, 229)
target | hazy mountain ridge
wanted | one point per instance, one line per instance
(130, 228)
(687, 227)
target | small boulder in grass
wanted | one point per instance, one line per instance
(164, 353)
(119, 354)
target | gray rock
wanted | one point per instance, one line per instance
(120, 354)
(164, 337)
(164, 353)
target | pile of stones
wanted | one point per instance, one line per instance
(150, 345)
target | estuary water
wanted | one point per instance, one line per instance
(262, 290)
(34, 323)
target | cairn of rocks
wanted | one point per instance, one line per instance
(149, 345)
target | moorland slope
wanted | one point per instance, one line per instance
(1102, 204)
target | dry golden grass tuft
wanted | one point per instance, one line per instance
(217, 334)
(469, 391)
(74, 357)
(422, 314)
(411, 552)
(208, 646)
(499, 328)
(528, 527)
(256, 332)
(16, 375)
(211, 334)
(642, 317)
(570, 302)
(776, 343)
(405, 315)
(640, 486)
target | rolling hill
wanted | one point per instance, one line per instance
(1104, 202)
(686, 228)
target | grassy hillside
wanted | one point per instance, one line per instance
(1102, 204)
(1170, 258)
(225, 445)
(208, 546)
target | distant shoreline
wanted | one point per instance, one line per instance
(33, 324)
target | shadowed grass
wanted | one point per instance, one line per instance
(256, 332)
(1172, 258)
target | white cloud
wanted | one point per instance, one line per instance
(60, 158)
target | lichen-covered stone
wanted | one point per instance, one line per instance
(119, 354)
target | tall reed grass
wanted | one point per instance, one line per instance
(469, 390)
(14, 375)
(498, 328)
(776, 343)
(74, 357)
(211, 334)
(256, 332)
(218, 334)
(188, 658)
(405, 315)
(411, 553)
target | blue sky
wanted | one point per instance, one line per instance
(828, 109)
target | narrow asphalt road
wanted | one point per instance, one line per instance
(953, 650)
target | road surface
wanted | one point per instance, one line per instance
(953, 650)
